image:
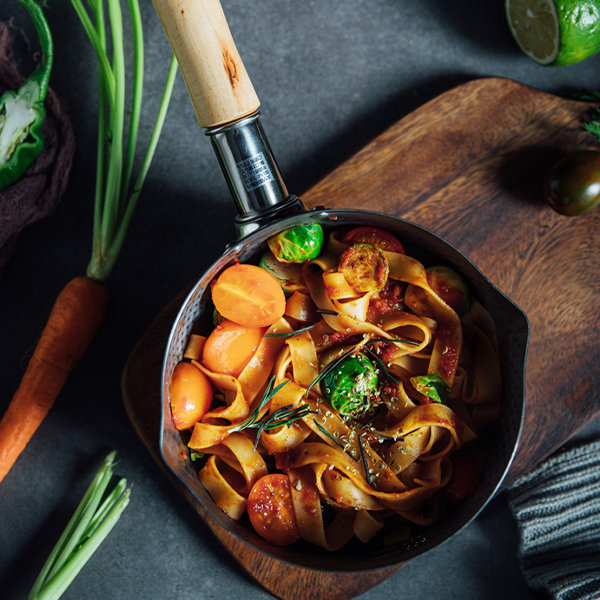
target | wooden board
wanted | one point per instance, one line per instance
(467, 165)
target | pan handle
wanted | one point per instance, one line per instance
(216, 79)
(226, 105)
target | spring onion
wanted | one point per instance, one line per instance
(94, 518)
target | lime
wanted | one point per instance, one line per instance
(555, 32)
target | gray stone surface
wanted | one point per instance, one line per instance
(331, 75)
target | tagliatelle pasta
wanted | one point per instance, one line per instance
(360, 399)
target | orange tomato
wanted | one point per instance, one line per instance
(271, 510)
(230, 346)
(248, 295)
(191, 395)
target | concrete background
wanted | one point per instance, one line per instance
(331, 75)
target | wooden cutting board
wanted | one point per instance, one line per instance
(468, 166)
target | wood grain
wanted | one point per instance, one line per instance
(214, 74)
(468, 166)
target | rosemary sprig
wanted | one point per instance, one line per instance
(382, 366)
(286, 415)
(325, 311)
(364, 459)
(267, 395)
(290, 333)
(387, 438)
(321, 428)
(330, 367)
(399, 340)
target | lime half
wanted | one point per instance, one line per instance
(556, 33)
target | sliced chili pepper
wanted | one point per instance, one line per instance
(22, 112)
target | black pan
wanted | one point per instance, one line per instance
(268, 209)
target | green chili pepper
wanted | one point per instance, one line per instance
(300, 243)
(432, 386)
(22, 112)
(350, 386)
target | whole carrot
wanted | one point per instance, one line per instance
(81, 306)
(77, 313)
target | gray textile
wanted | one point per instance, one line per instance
(557, 509)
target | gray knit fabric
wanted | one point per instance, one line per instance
(557, 509)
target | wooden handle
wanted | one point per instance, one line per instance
(212, 69)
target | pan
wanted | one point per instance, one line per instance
(228, 109)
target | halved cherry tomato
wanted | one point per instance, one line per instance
(373, 235)
(271, 510)
(248, 295)
(191, 395)
(230, 346)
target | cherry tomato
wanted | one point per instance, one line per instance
(572, 186)
(373, 235)
(191, 395)
(271, 510)
(248, 295)
(230, 346)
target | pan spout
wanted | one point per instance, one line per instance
(252, 174)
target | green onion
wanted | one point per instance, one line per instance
(115, 196)
(91, 522)
(289, 333)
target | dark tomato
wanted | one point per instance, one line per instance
(373, 235)
(572, 186)
(271, 510)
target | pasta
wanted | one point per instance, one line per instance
(356, 411)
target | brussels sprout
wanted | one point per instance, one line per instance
(349, 386)
(298, 244)
(365, 267)
(289, 275)
(447, 284)
(432, 386)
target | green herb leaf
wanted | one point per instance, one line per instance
(432, 386)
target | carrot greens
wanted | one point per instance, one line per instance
(115, 196)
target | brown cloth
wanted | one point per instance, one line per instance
(39, 190)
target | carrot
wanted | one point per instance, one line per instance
(76, 316)
(81, 306)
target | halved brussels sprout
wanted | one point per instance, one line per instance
(350, 386)
(447, 284)
(365, 267)
(289, 275)
(432, 386)
(298, 244)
